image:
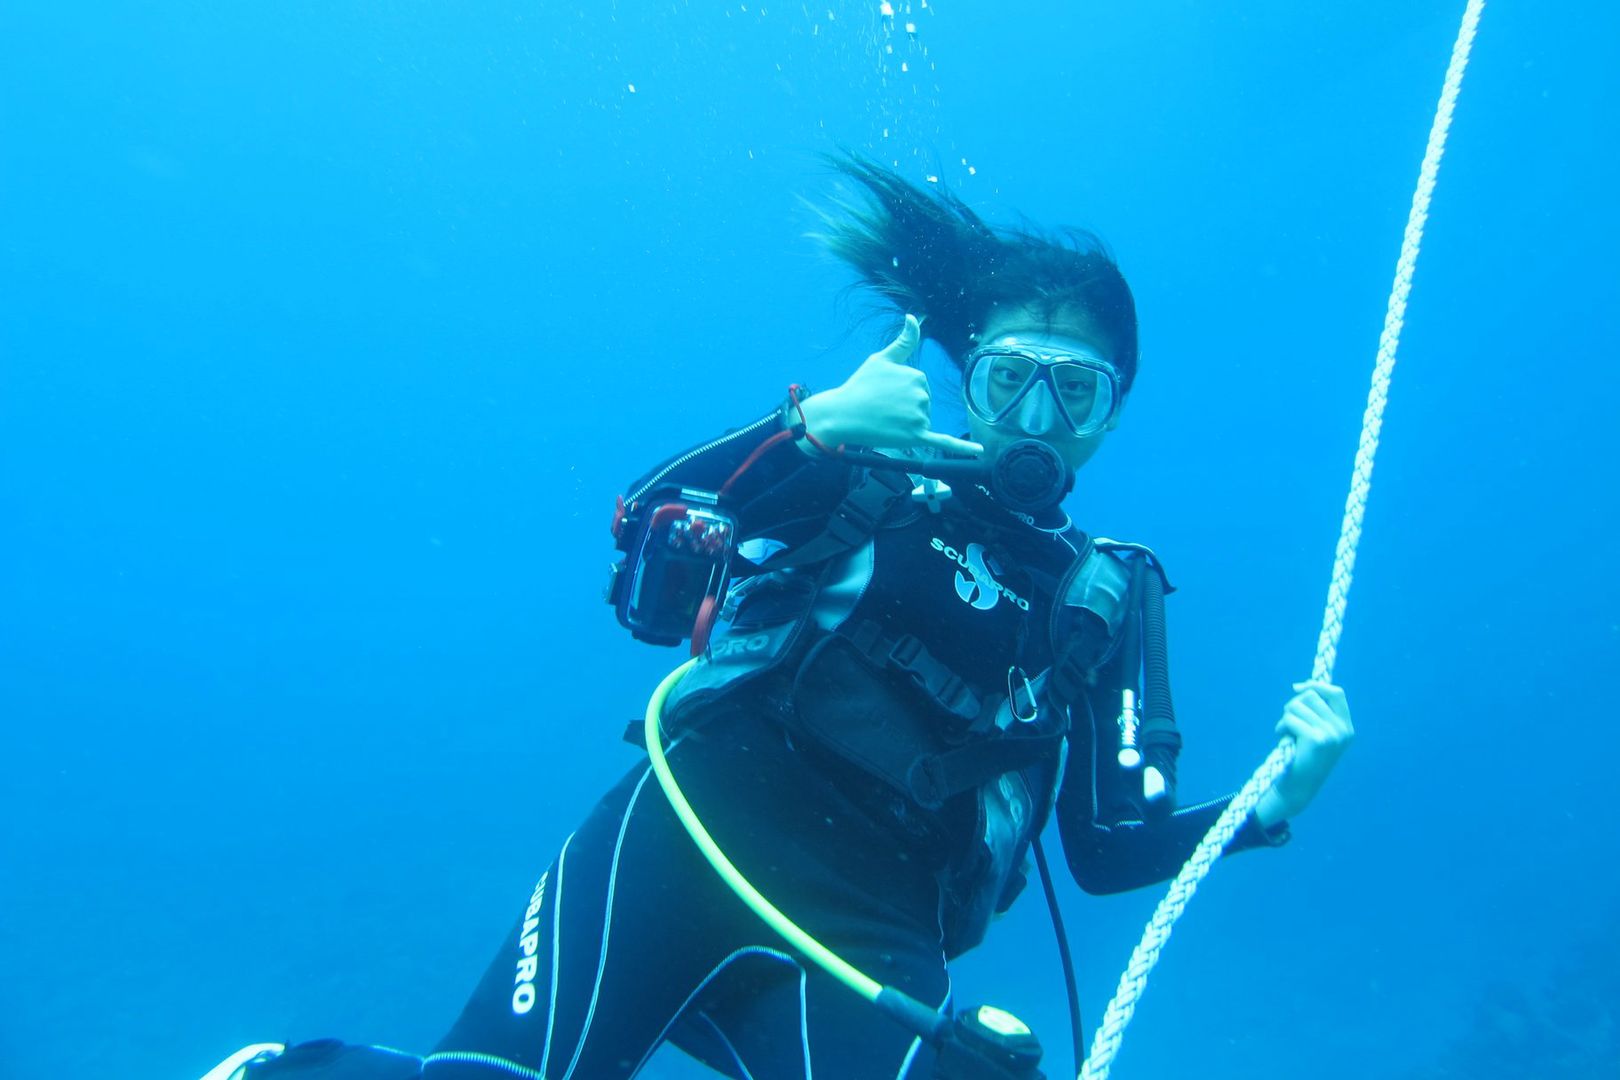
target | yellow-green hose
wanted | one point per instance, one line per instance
(829, 961)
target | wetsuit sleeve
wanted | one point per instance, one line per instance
(1108, 846)
(782, 484)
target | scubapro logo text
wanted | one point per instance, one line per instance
(983, 591)
(528, 945)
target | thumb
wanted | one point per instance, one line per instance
(904, 347)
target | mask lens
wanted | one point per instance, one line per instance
(1077, 388)
(1006, 377)
(1087, 396)
(1038, 391)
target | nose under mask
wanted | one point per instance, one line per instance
(1037, 413)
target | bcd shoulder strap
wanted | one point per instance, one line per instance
(872, 496)
(1087, 616)
(1093, 609)
(1117, 627)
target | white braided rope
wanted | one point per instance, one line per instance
(1134, 981)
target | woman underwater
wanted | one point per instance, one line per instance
(906, 683)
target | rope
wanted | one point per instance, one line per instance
(1134, 981)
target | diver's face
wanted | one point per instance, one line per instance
(1030, 330)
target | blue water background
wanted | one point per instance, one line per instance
(328, 332)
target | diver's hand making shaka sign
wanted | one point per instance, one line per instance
(883, 405)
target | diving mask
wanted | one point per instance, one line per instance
(1038, 389)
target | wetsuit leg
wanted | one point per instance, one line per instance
(630, 939)
(800, 1024)
(624, 927)
(621, 928)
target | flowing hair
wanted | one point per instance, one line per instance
(926, 252)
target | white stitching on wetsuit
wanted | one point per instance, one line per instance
(1091, 714)
(556, 949)
(721, 1035)
(747, 950)
(804, 1020)
(916, 1043)
(607, 924)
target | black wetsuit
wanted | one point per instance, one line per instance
(630, 940)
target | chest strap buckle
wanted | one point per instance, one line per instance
(911, 658)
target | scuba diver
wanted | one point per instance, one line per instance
(909, 660)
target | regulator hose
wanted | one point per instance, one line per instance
(1160, 739)
(1026, 476)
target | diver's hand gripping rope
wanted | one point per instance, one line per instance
(1134, 981)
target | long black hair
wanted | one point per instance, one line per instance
(926, 252)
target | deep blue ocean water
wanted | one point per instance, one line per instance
(328, 332)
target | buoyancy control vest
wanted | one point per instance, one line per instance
(931, 677)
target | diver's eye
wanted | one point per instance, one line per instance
(1011, 372)
(1078, 389)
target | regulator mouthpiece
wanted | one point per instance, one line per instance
(1029, 476)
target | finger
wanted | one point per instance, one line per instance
(1318, 708)
(903, 347)
(1298, 727)
(1324, 697)
(1337, 729)
(1331, 693)
(1325, 731)
(951, 443)
(1304, 719)
(1332, 727)
(1309, 709)
(1288, 727)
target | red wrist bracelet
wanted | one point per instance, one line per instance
(793, 397)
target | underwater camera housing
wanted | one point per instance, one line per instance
(677, 546)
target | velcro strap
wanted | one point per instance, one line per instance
(852, 521)
(1077, 660)
(937, 777)
(911, 657)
